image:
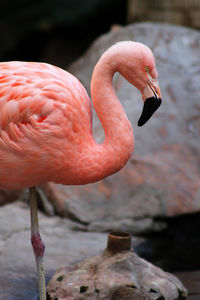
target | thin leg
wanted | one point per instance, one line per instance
(37, 243)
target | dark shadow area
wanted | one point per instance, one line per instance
(177, 248)
(57, 32)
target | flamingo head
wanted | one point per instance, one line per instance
(138, 67)
(146, 81)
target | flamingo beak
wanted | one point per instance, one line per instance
(152, 100)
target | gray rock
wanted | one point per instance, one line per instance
(120, 276)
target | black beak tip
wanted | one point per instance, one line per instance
(150, 106)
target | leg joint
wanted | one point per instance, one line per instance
(38, 245)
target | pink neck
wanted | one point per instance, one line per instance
(119, 142)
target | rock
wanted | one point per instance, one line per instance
(18, 278)
(117, 273)
(162, 179)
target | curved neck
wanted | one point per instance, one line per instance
(119, 142)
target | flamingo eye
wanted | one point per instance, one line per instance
(146, 69)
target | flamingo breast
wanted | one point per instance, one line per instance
(45, 116)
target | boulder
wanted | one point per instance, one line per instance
(117, 273)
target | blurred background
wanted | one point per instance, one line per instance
(59, 31)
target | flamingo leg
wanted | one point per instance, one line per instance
(37, 243)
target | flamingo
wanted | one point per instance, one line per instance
(46, 125)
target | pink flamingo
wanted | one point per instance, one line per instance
(46, 125)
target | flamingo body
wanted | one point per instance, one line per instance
(46, 119)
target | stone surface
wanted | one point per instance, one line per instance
(17, 263)
(162, 179)
(122, 276)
